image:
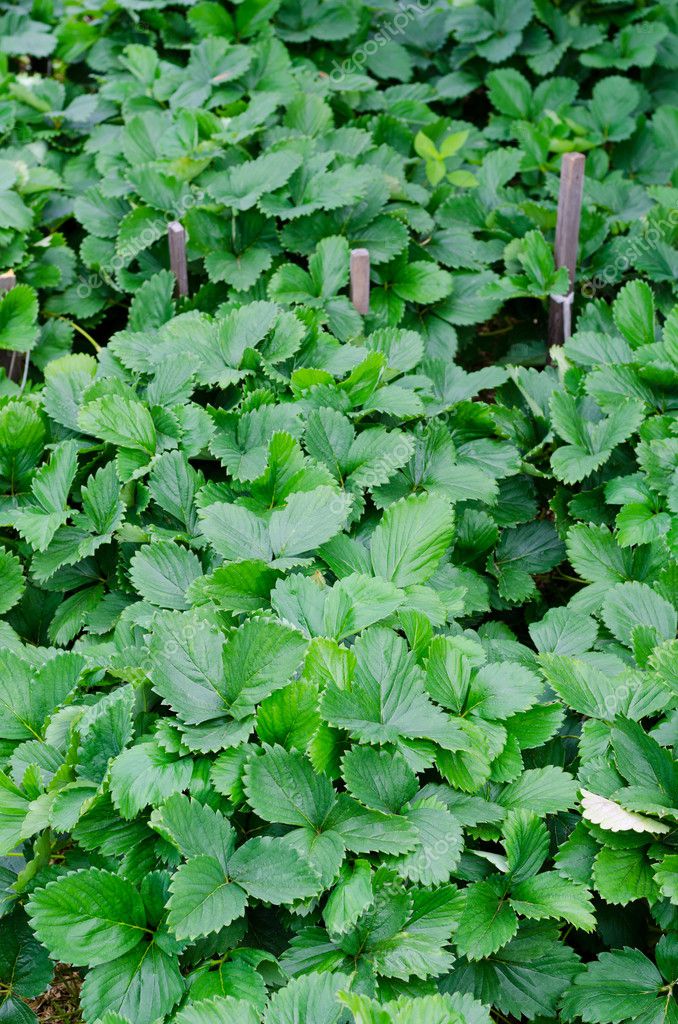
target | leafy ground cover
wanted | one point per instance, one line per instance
(338, 666)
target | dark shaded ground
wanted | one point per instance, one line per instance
(59, 1005)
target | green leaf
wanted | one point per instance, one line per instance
(163, 572)
(39, 521)
(550, 895)
(271, 871)
(358, 601)
(328, 267)
(365, 831)
(88, 917)
(120, 421)
(281, 786)
(25, 967)
(633, 313)
(13, 810)
(349, 899)
(66, 379)
(313, 997)
(596, 556)
(424, 148)
(622, 876)
(411, 539)
(182, 654)
(202, 899)
(666, 877)
(153, 305)
(379, 780)
(105, 729)
(146, 774)
(12, 584)
(526, 841)
(194, 829)
(564, 632)
(510, 93)
(219, 1010)
(591, 442)
(635, 604)
(236, 533)
(502, 689)
(309, 519)
(583, 687)
(422, 282)
(440, 843)
(525, 977)
(259, 658)
(488, 921)
(28, 697)
(242, 186)
(386, 701)
(18, 319)
(22, 436)
(541, 790)
(522, 551)
(618, 985)
(142, 986)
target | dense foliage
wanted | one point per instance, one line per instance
(338, 659)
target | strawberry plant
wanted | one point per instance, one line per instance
(338, 665)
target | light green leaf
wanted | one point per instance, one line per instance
(411, 539)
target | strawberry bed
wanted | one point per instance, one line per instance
(338, 664)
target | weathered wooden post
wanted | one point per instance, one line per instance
(14, 364)
(360, 279)
(176, 234)
(567, 243)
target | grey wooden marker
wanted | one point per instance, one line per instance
(176, 234)
(360, 279)
(14, 363)
(7, 281)
(567, 242)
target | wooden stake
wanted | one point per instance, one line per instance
(567, 242)
(15, 364)
(177, 251)
(360, 279)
